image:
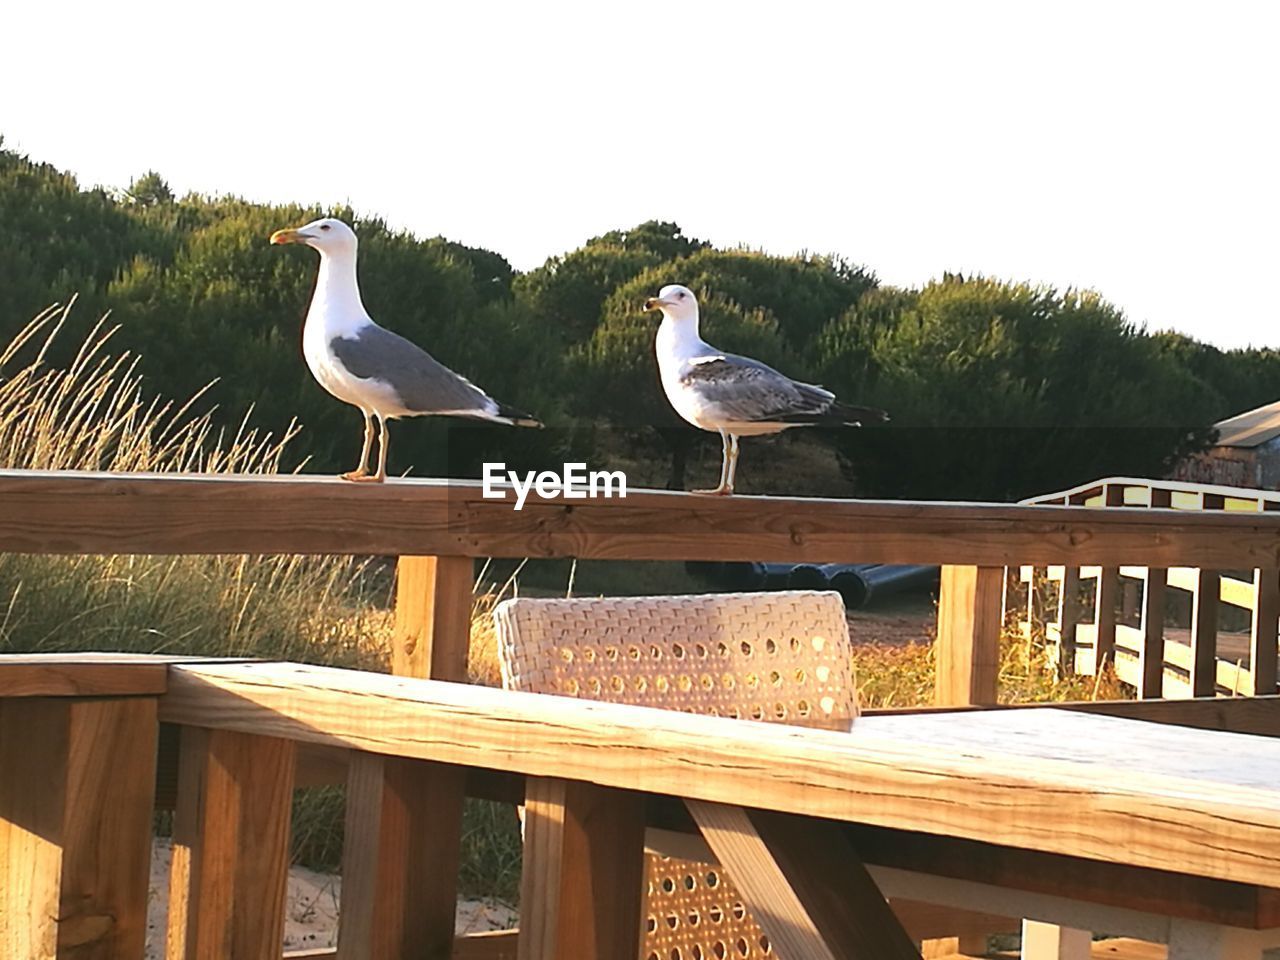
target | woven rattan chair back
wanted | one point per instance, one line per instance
(780, 657)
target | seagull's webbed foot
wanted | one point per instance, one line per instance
(724, 490)
(356, 477)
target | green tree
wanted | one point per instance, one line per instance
(1002, 390)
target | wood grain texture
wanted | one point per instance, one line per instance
(804, 885)
(433, 617)
(1262, 642)
(489, 945)
(230, 846)
(970, 611)
(1253, 715)
(34, 742)
(1158, 892)
(400, 858)
(80, 675)
(1223, 821)
(69, 512)
(1204, 633)
(1151, 656)
(107, 829)
(75, 826)
(1104, 617)
(583, 871)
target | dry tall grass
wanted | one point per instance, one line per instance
(93, 414)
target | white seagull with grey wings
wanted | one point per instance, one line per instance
(380, 372)
(731, 395)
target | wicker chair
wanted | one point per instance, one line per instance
(782, 657)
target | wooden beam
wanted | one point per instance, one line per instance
(1152, 654)
(1204, 634)
(75, 826)
(400, 858)
(804, 885)
(968, 644)
(1073, 878)
(583, 872)
(230, 846)
(68, 512)
(1225, 831)
(80, 675)
(1262, 641)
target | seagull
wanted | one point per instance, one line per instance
(731, 395)
(369, 367)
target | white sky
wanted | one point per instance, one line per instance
(1131, 147)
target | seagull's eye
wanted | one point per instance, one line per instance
(325, 226)
(680, 295)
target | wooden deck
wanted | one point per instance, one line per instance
(1026, 802)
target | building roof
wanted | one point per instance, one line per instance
(1252, 428)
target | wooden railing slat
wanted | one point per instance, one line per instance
(230, 846)
(1262, 641)
(1204, 634)
(583, 871)
(1152, 654)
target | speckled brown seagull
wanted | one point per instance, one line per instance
(361, 363)
(731, 395)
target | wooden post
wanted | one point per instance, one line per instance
(230, 846)
(1068, 617)
(1204, 633)
(433, 617)
(968, 646)
(583, 873)
(403, 839)
(1104, 617)
(1262, 643)
(75, 826)
(1151, 682)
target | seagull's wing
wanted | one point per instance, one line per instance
(423, 384)
(741, 390)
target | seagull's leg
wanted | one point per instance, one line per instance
(363, 469)
(733, 461)
(725, 477)
(382, 451)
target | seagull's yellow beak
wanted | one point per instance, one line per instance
(288, 236)
(654, 303)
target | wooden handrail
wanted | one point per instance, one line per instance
(1225, 829)
(78, 513)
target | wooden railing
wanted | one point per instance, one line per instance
(1126, 624)
(405, 819)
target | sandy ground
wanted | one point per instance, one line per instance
(311, 915)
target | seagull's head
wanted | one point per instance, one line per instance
(328, 235)
(674, 301)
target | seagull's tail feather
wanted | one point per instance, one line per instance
(849, 413)
(516, 418)
(838, 414)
